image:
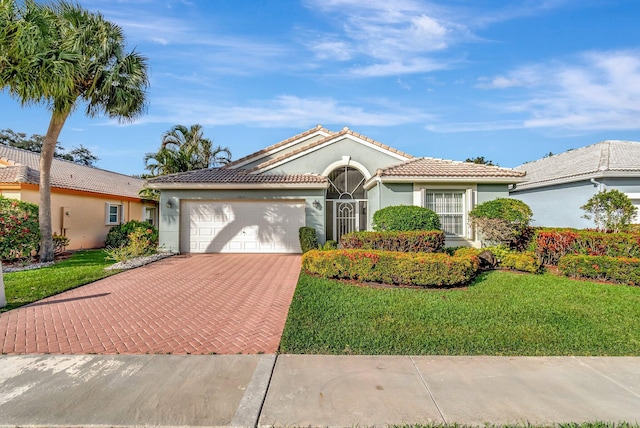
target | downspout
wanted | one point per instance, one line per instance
(599, 185)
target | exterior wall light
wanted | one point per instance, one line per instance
(317, 205)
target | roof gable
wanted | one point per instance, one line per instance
(23, 166)
(610, 157)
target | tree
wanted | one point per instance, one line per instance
(185, 149)
(480, 160)
(80, 155)
(610, 210)
(60, 55)
(502, 221)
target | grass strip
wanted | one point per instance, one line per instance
(501, 313)
(28, 286)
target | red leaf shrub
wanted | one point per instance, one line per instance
(391, 267)
(552, 244)
(19, 230)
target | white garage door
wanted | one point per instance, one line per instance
(241, 227)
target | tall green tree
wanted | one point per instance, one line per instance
(61, 55)
(80, 155)
(185, 149)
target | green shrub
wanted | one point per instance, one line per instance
(550, 245)
(308, 238)
(391, 267)
(525, 262)
(431, 241)
(19, 229)
(329, 245)
(405, 218)
(502, 221)
(140, 243)
(118, 236)
(59, 243)
(610, 210)
(624, 270)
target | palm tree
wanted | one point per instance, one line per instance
(60, 55)
(185, 149)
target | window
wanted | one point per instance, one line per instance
(150, 215)
(114, 214)
(449, 205)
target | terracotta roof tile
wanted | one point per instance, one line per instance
(431, 168)
(65, 174)
(229, 176)
(582, 163)
(230, 165)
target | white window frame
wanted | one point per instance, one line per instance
(468, 202)
(145, 210)
(120, 214)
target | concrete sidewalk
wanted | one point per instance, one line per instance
(314, 390)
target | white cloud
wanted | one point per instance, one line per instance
(284, 111)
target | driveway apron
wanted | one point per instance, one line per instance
(188, 304)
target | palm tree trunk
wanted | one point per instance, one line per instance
(46, 157)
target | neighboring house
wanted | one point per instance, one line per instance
(557, 186)
(332, 181)
(85, 202)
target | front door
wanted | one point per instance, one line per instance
(346, 202)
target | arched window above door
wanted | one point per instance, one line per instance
(346, 182)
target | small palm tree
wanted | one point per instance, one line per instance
(59, 54)
(185, 149)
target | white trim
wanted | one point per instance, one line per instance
(632, 195)
(526, 185)
(256, 156)
(328, 143)
(120, 214)
(237, 186)
(350, 162)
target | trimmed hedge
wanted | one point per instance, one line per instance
(391, 267)
(308, 238)
(550, 245)
(431, 241)
(521, 261)
(404, 218)
(624, 270)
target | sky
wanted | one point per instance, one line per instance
(509, 80)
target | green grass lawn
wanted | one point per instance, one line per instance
(29, 286)
(501, 313)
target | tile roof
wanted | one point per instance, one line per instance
(440, 168)
(586, 162)
(23, 166)
(240, 176)
(277, 145)
(333, 136)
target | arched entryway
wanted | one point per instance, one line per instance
(346, 202)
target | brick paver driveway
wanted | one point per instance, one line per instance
(198, 304)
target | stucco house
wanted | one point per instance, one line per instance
(557, 186)
(85, 202)
(332, 181)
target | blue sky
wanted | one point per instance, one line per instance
(509, 80)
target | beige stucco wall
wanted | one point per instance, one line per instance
(85, 225)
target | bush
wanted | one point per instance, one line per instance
(329, 245)
(59, 243)
(610, 210)
(118, 236)
(308, 238)
(624, 270)
(140, 243)
(431, 241)
(19, 229)
(550, 245)
(391, 267)
(502, 221)
(405, 218)
(509, 259)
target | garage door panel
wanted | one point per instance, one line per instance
(242, 226)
